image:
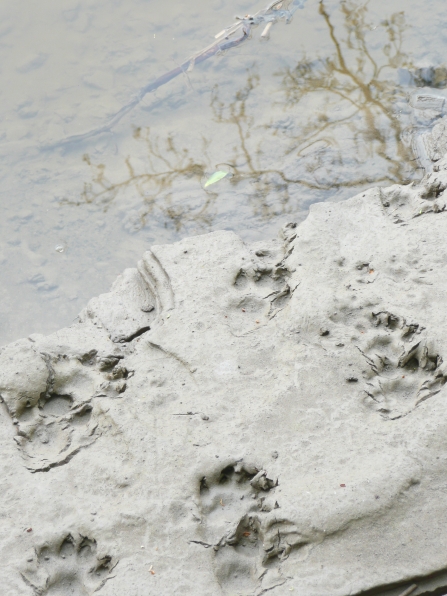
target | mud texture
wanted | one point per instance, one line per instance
(242, 419)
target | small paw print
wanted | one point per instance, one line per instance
(68, 567)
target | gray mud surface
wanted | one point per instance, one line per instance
(242, 419)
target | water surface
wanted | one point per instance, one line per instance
(319, 112)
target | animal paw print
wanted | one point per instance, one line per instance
(247, 539)
(50, 400)
(267, 280)
(70, 566)
(404, 368)
(265, 289)
(58, 431)
(402, 203)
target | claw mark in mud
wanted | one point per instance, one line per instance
(190, 370)
(68, 566)
(404, 369)
(157, 281)
(51, 401)
(241, 519)
(127, 311)
(137, 300)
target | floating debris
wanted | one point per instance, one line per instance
(215, 178)
(228, 38)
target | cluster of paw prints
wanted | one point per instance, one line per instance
(70, 566)
(242, 524)
(404, 369)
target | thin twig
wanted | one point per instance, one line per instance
(227, 39)
(409, 590)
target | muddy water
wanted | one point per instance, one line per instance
(318, 112)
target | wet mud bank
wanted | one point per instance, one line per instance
(239, 419)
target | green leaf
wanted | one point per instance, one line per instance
(215, 178)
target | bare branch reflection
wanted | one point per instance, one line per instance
(165, 165)
(337, 127)
(360, 96)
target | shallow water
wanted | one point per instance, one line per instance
(320, 111)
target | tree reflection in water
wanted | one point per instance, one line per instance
(363, 90)
(165, 165)
(341, 127)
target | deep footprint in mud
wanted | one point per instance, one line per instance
(56, 434)
(240, 522)
(54, 425)
(404, 368)
(69, 567)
